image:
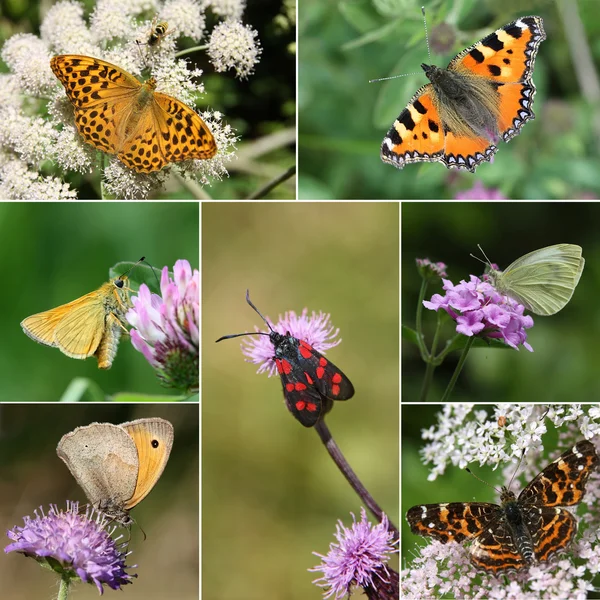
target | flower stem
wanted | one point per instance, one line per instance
(190, 50)
(419, 321)
(458, 369)
(350, 475)
(63, 591)
(431, 364)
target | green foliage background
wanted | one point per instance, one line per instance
(32, 475)
(343, 119)
(52, 253)
(270, 494)
(563, 366)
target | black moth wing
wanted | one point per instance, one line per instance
(310, 382)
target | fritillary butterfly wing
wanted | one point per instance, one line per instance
(117, 114)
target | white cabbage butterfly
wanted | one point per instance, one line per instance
(544, 280)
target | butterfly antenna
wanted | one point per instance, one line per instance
(407, 74)
(153, 271)
(426, 33)
(132, 267)
(228, 337)
(482, 480)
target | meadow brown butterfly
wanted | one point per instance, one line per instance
(89, 326)
(117, 465)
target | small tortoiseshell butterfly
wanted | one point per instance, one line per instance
(484, 95)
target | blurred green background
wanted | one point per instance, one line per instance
(564, 364)
(32, 475)
(53, 253)
(261, 109)
(271, 495)
(343, 118)
(455, 485)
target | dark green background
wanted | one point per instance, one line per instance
(564, 364)
(271, 494)
(53, 253)
(343, 118)
(32, 475)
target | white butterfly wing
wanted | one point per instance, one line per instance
(543, 280)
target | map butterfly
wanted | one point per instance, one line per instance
(521, 531)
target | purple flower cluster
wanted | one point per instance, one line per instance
(428, 270)
(359, 559)
(479, 309)
(79, 545)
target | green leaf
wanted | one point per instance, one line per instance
(410, 335)
(82, 389)
(461, 341)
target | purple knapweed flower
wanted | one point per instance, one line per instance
(359, 559)
(165, 328)
(315, 330)
(74, 545)
(480, 192)
(479, 309)
(429, 270)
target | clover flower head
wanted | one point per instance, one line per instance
(359, 559)
(75, 545)
(479, 309)
(165, 328)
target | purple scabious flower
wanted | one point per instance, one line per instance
(74, 545)
(316, 330)
(479, 309)
(165, 328)
(429, 270)
(359, 559)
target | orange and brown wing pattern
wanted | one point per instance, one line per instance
(453, 521)
(520, 532)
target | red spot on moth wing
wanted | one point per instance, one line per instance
(286, 367)
(320, 372)
(322, 361)
(278, 365)
(289, 387)
(306, 350)
(335, 390)
(308, 378)
(300, 387)
(337, 378)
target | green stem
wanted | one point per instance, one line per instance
(63, 591)
(431, 364)
(458, 369)
(190, 50)
(419, 320)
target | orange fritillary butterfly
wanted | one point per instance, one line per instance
(117, 114)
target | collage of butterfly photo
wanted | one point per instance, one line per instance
(299, 299)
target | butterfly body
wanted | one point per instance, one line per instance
(117, 114)
(484, 95)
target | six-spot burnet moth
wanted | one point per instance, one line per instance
(310, 381)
